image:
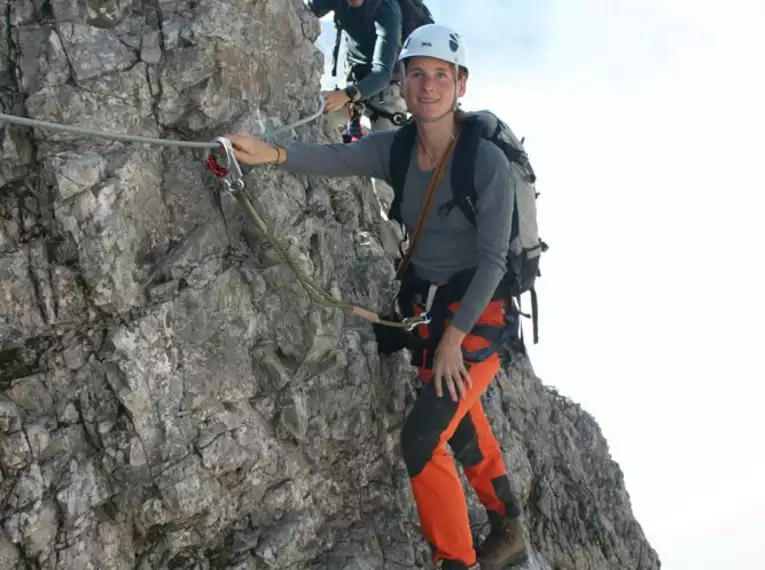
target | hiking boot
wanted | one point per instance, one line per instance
(457, 565)
(505, 544)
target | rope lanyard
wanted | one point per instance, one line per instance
(231, 176)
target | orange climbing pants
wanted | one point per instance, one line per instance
(434, 422)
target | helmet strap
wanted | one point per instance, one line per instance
(456, 103)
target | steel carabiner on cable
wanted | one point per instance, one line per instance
(231, 173)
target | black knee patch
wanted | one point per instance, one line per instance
(464, 443)
(505, 494)
(423, 428)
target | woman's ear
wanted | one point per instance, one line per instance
(462, 84)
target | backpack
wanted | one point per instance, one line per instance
(414, 14)
(525, 246)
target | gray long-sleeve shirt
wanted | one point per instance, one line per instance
(371, 39)
(448, 244)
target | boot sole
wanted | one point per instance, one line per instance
(516, 560)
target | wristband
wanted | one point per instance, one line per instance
(352, 92)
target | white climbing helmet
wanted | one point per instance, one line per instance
(435, 40)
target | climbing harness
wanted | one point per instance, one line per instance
(353, 129)
(232, 179)
(397, 118)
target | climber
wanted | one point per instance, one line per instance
(373, 31)
(444, 247)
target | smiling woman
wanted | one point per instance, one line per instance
(459, 267)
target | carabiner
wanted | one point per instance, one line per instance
(231, 173)
(410, 323)
(398, 119)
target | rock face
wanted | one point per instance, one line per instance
(169, 398)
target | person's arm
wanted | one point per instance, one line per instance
(388, 29)
(366, 157)
(495, 185)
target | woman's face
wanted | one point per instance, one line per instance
(429, 86)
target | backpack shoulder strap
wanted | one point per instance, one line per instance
(336, 47)
(476, 126)
(400, 157)
(337, 16)
(463, 168)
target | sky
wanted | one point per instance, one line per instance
(643, 121)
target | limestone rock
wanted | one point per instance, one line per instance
(169, 397)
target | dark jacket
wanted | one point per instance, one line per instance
(372, 40)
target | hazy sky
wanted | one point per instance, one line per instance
(644, 123)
